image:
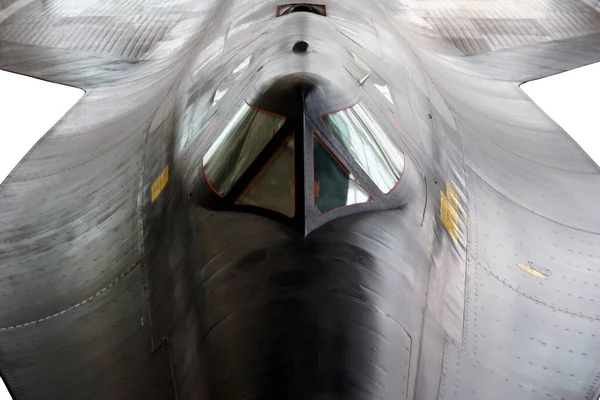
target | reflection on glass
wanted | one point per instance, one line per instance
(228, 82)
(385, 90)
(243, 139)
(364, 68)
(291, 8)
(221, 91)
(273, 188)
(366, 141)
(335, 187)
(243, 65)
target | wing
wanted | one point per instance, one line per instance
(529, 232)
(476, 26)
(73, 304)
(530, 62)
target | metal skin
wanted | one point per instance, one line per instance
(477, 277)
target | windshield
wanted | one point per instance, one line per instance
(273, 187)
(370, 146)
(334, 186)
(238, 145)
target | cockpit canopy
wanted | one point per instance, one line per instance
(360, 134)
(304, 171)
(238, 145)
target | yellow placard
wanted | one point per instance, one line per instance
(531, 271)
(449, 216)
(160, 183)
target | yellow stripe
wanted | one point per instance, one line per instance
(452, 196)
(449, 217)
(531, 271)
(160, 183)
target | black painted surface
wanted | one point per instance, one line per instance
(105, 293)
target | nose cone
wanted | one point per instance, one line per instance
(308, 318)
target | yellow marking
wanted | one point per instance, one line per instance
(160, 183)
(452, 196)
(531, 271)
(449, 216)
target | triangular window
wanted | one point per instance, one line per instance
(274, 187)
(334, 185)
(237, 147)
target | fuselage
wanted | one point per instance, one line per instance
(308, 252)
(258, 200)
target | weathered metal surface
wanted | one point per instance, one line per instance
(118, 281)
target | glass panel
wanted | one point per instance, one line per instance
(364, 68)
(273, 188)
(335, 187)
(228, 82)
(243, 65)
(366, 141)
(286, 9)
(221, 91)
(385, 90)
(243, 139)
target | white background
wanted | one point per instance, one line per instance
(4, 392)
(572, 99)
(28, 109)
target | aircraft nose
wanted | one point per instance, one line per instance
(305, 319)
